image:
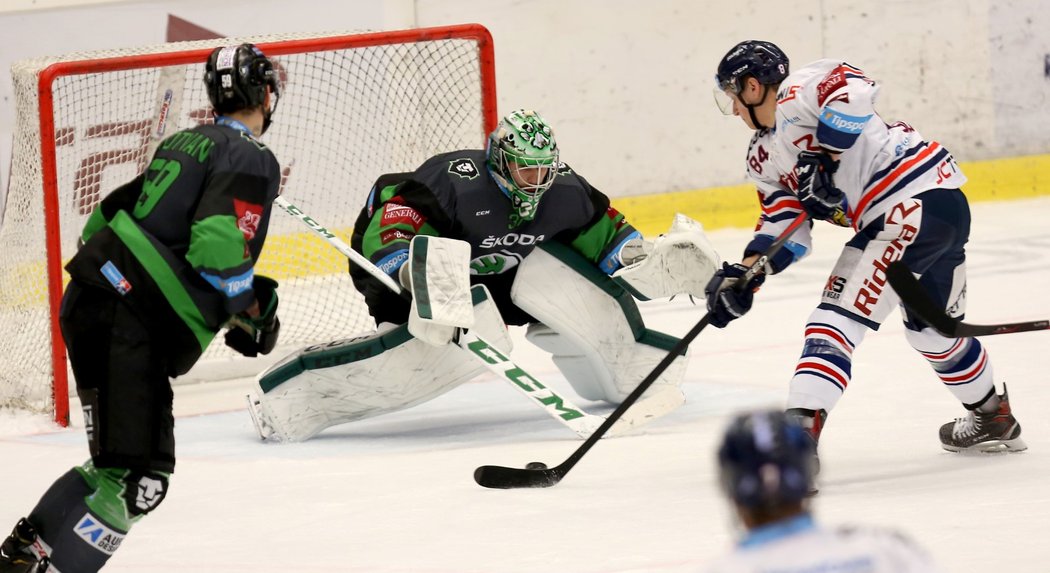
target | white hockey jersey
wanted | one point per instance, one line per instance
(798, 545)
(830, 105)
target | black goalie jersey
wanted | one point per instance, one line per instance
(453, 195)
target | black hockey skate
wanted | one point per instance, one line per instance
(18, 553)
(813, 422)
(983, 432)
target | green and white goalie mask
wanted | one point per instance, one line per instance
(523, 158)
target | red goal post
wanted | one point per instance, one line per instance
(353, 106)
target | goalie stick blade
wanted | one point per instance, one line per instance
(914, 296)
(499, 477)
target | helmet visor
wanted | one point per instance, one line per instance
(724, 100)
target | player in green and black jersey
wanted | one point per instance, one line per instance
(490, 198)
(166, 261)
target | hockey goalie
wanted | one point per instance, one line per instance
(482, 239)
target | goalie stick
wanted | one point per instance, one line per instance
(915, 297)
(537, 474)
(555, 405)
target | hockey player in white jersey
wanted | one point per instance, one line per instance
(765, 465)
(821, 147)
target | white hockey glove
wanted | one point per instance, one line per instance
(680, 261)
(439, 280)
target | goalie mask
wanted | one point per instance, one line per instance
(523, 159)
(241, 77)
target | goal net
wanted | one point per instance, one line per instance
(353, 106)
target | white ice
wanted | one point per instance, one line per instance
(396, 494)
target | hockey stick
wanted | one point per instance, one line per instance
(915, 297)
(537, 474)
(555, 405)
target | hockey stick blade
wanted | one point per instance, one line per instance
(500, 477)
(915, 297)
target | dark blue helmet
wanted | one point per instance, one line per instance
(766, 460)
(238, 77)
(763, 60)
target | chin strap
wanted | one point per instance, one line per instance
(751, 109)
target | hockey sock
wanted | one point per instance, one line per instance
(84, 516)
(825, 367)
(962, 364)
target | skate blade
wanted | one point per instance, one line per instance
(993, 447)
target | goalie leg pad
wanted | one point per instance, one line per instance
(357, 378)
(591, 326)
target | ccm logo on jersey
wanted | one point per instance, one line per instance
(394, 214)
(510, 239)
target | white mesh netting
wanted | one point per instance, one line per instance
(346, 115)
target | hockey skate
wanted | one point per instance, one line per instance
(19, 552)
(982, 432)
(813, 422)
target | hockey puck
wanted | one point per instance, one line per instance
(535, 466)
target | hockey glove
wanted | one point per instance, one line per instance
(816, 190)
(252, 336)
(725, 302)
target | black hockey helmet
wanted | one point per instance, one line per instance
(763, 60)
(766, 460)
(237, 78)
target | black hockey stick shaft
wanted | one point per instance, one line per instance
(500, 477)
(915, 297)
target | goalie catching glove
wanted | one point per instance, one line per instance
(256, 335)
(679, 261)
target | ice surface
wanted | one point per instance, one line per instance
(395, 494)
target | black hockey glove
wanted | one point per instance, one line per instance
(725, 302)
(253, 336)
(816, 190)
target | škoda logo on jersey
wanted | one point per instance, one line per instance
(394, 214)
(511, 239)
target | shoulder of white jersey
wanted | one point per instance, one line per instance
(821, 82)
(889, 538)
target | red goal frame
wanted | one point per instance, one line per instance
(47, 77)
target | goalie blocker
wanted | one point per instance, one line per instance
(586, 320)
